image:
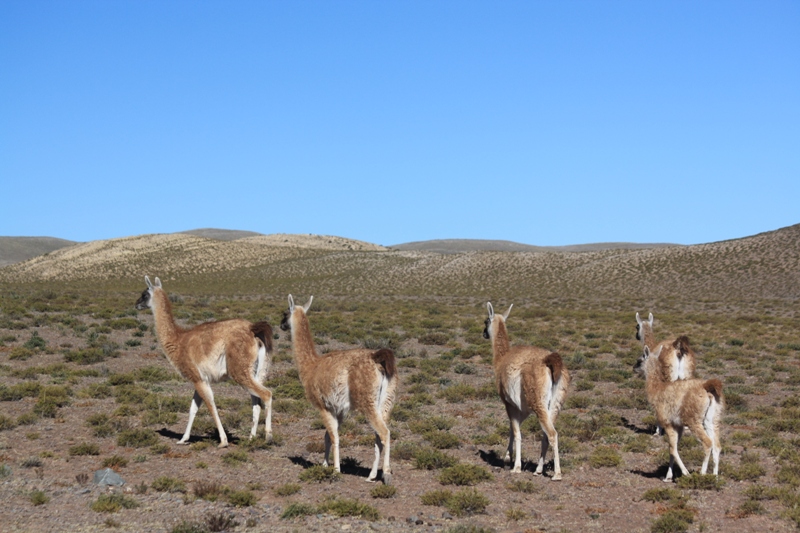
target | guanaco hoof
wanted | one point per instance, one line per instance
(387, 479)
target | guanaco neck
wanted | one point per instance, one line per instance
(303, 344)
(500, 344)
(167, 330)
(648, 336)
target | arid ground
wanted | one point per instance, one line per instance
(84, 386)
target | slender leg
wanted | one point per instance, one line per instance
(331, 438)
(205, 392)
(197, 401)
(550, 436)
(256, 402)
(382, 438)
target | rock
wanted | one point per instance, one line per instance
(447, 516)
(411, 519)
(108, 477)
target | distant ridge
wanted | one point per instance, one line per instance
(221, 234)
(457, 246)
(17, 249)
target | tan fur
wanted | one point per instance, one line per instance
(530, 381)
(337, 382)
(213, 351)
(695, 403)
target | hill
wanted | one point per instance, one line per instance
(455, 246)
(16, 249)
(762, 266)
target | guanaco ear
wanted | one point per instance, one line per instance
(638, 320)
(291, 304)
(490, 309)
(650, 319)
(657, 352)
(646, 351)
(158, 283)
(505, 316)
(147, 280)
(305, 307)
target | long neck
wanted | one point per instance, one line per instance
(655, 380)
(649, 339)
(167, 330)
(500, 344)
(303, 343)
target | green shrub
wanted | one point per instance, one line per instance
(287, 490)
(438, 498)
(319, 473)
(111, 503)
(347, 507)
(20, 353)
(604, 456)
(467, 502)
(295, 510)
(700, 482)
(35, 343)
(464, 474)
(242, 498)
(115, 461)
(137, 438)
(85, 448)
(524, 486)
(442, 439)
(168, 484)
(38, 497)
(208, 490)
(383, 491)
(235, 458)
(430, 459)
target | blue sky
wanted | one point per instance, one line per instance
(547, 123)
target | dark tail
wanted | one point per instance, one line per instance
(682, 345)
(554, 362)
(714, 387)
(385, 358)
(263, 332)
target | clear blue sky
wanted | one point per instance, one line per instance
(547, 123)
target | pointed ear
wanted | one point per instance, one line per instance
(158, 283)
(490, 309)
(505, 316)
(147, 280)
(291, 304)
(305, 308)
(638, 320)
(650, 319)
(658, 352)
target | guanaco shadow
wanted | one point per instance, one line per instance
(636, 429)
(493, 459)
(349, 466)
(174, 436)
(658, 473)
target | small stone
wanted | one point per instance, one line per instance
(346, 527)
(419, 521)
(108, 477)
(447, 516)
(411, 519)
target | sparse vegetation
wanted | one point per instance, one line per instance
(447, 413)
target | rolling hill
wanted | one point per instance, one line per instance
(763, 266)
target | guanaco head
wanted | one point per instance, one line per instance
(640, 326)
(146, 299)
(487, 329)
(645, 362)
(286, 321)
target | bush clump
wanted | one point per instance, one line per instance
(319, 473)
(464, 474)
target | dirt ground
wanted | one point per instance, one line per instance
(37, 456)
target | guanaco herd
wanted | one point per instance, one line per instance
(529, 381)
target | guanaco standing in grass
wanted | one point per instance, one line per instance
(336, 382)
(210, 352)
(679, 361)
(695, 403)
(529, 380)
(679, 358)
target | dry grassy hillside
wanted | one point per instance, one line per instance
(763, 266)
